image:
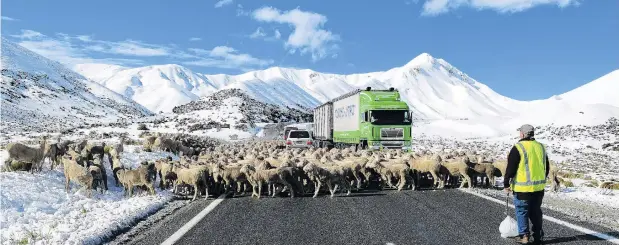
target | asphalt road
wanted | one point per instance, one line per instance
(386, 217)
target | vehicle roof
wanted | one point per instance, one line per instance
(297, 130)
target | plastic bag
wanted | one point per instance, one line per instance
(509, 227)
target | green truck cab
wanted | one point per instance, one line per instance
(367, 119)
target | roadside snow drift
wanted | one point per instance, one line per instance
(36, 208)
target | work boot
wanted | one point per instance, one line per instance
(523, 239)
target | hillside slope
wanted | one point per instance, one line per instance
(40, 94)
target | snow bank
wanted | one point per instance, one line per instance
(36, 208)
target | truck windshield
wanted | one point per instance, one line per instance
(390, 117)
(299, 134)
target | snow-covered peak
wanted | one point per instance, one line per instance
(422, 60)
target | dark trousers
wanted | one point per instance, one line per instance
(529, 207)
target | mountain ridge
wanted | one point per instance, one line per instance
(39, 94)
(309, 88)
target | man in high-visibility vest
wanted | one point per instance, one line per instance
(525, 177)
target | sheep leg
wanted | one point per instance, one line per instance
(357, 179)
(348, 188)
(253, 190)
(330, 187)
(290, 187)
(402, 182)
(260, 189)
(67, 187)
(195, 191)
(413, 183)
(205, 188)
(151, 188)
(468, 181)
(317, 185)
(244, 188)
(238, 186)
(436, 180)
(53, 161)
(390, 181)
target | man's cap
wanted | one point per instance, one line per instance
(526, 129)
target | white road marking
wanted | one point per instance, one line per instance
(178, 234)
(597, 234)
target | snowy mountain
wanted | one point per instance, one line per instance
(38, 93)
(434, 89)
(600, 91)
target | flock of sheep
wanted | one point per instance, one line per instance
(219, 169)
(236, 167)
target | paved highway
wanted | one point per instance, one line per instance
(387, 217)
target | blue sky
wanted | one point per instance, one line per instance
(524, 49)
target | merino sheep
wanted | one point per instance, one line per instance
(257, 178)
(332, 176)
(427, 165)
(79, 174)
(553, 173)
(191, 176)
(481, 169)
(389, 169)
(457, 167)
(35, 156)
(230, 176)
(102, 172)
(142, 176)
(163, 166)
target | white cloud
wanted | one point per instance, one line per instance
(6, 18)
(194, 39)
(307, 36)
(136, 48)
(28, 34)
(226, 57)
(436, 7)
(278, 35)
(240, 11)
(71, 50)
(78, 49)
(259, 33)
(66, 53)
(223, 3)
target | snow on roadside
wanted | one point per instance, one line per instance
(36, 208)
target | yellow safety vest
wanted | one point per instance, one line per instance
(531, 174)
